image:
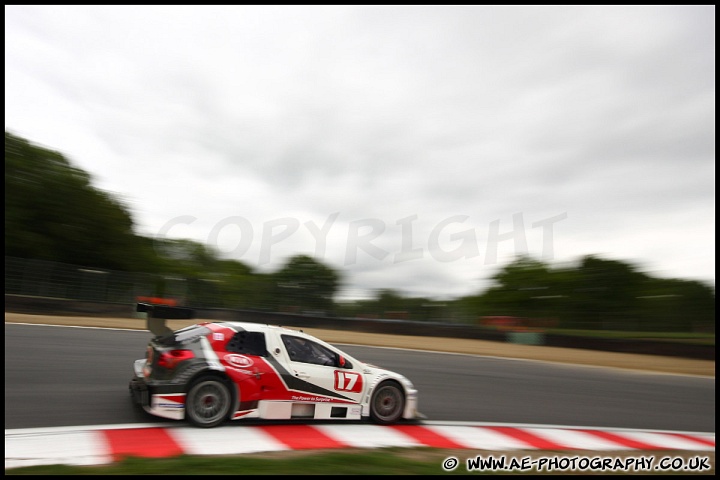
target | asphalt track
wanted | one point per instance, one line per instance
(67, 381)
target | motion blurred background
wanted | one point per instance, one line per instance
(520, 167)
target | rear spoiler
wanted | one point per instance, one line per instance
(157, 314)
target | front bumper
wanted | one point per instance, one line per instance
(411, 405)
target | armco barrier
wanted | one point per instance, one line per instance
(52, 306)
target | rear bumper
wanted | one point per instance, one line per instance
(166, 401)
(139, 392)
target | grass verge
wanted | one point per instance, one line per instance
(390, 461)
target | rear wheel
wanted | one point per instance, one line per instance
(208, 402)
(388, 403)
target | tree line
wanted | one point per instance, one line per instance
(54, 213)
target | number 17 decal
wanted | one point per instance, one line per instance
(348, 381)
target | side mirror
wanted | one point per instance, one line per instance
(342, 363)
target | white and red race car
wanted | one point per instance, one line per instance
(215, 371)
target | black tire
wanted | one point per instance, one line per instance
(387, 403)
(208, 402)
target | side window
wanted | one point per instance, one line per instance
(306, 351)
(249, 343)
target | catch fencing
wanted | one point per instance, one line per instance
(46, 279)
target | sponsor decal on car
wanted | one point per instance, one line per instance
(309, 398)
(169, 401)
(240, 361)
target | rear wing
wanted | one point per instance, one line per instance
(158, 314)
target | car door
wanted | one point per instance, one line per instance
(324, 374)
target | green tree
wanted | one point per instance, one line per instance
(305, 284)
(606, 294)
(518, 289)
(596, 293)
(240, 287)
(389, 301)
(52, 212)
(675, 305)
(196, 274)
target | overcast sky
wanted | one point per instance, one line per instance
(414, 148)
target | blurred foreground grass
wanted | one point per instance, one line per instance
(388, 461)
(394, 461)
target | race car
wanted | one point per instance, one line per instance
(212, 372)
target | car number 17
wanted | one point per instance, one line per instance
(348, 381)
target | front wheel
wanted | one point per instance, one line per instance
(208, 403)
(387, 404)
